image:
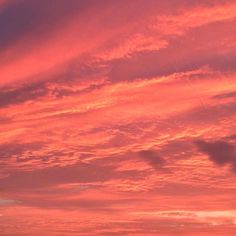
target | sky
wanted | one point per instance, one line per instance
(117, 117)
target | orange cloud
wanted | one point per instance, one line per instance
(117, 118)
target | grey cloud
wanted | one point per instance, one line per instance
(77, 173)
(82, 204)
(20, 18)
(220, 152)
(22, 94)
(9, 149)
(152, 158)
(226, 95)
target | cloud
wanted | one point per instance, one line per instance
(211, 217)
(152, 158)
(177, 24)
(15, 96)
(6, 202)
(226, 95)
(220, 152)
(77, 173)
(99, 109)
(33, 91)
(184, 53)
(8, 150)
(22, 18)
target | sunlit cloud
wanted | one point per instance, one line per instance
(210, 217)
(117, 118)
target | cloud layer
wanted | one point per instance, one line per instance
(117, 118)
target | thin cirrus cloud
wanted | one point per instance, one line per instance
(105, 104)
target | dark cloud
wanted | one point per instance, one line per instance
(220, 152)
(23, 17)
(9, 149)
(31, 92)
(22, 94)
(152, 158)
(82, 204)
(206, 113)
(231, 137)
(32, 20)
(78, 173)
(225, 95)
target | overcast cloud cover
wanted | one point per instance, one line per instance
(117, 117)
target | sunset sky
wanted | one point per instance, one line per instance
(118, 117)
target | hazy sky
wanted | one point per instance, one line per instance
(118, 117)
